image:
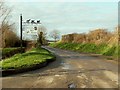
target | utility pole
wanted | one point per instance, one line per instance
(21, 31)
(29, 21)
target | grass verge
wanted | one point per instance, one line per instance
(103, 49)
(29, 59)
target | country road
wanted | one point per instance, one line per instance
(71, 69)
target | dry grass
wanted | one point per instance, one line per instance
(97, 36)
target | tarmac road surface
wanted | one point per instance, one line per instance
(70, 70)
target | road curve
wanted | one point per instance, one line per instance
(71, 69)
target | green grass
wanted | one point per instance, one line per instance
(28, 59)
(112, 51)
(103, 49)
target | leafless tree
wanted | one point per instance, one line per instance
(42, 33)
(4, 14)
(6, 27)
(42, 29)
(55, 34)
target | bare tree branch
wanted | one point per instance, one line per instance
(55, 34)
(4, 14)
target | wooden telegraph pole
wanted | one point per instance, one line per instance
(21, 31)
(21, 24)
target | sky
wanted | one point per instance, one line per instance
(67, 17)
